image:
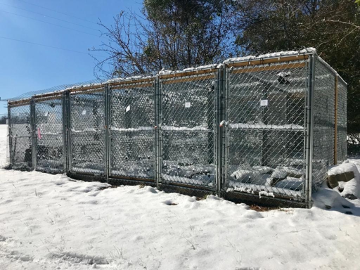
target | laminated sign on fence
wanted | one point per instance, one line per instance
(252, 128)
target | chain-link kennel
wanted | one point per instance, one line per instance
(187, 128)
(132, 129)
(87, 132)
(259, 128)
(49, 134)
(20, 139)
(265, 128)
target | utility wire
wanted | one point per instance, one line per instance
(49, 23)
(57, 11)
(49, 16)
(53, 47)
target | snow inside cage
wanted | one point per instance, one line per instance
(253, 128)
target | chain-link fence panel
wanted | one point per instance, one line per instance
(342, 122)
(265, 111)
(324, 122)
(132, 131)
(20, 137)
(188, 129)
(49, 134)
(87, 132)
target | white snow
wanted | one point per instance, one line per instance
(270, 55)
(53, 222)
(263, 126)
(196, 128)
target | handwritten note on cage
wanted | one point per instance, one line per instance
(264, 103)
(127, 108)
(187, 104)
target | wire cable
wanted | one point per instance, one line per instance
(53, 47)
(49, 16)
(48, 23)
(57, 11)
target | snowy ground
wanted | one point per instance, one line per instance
(53, 222)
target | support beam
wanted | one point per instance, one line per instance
(335, 118)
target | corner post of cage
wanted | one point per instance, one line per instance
(11, 156)
(309, 130)
(336, 100)
(157, 128)
(33, 133)
(107, 93)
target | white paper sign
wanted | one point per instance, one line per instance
(264, 102)
(187, 104)
(127, 108)
(83, 112)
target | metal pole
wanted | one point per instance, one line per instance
(158, 113)
(225, 133)
(68, 133)
(336, 119)
(107, 130)
(11, 156)
(219, 91)
(33, 134)
(64, 131)
(156, 130)
(309, 130)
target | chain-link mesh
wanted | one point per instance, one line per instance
(323, 106)
(265, 129)
(187, 130)
(242, 128)
(132, 131)
(49, 134)
(20, 137)
(342, 122)
(87, 132)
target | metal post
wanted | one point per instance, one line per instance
(219, 92)
(107, 130)
(33, 134)
(309, 130)
(336, 119)
(11, 156)
(225, 136)
(65, 113)
(158, 145)
(68, 132)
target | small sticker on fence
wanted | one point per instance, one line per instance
(127, 108)
(83, 112)
(264, 102)
(187, 104)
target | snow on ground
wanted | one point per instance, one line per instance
(53, 222)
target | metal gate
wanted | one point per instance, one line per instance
(20, 136)
(265, 128)
(49, 134)
(187, 128)
(132, 130)
(87, 132)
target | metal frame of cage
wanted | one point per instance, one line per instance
(190, 119)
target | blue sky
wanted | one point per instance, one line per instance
(70, 26)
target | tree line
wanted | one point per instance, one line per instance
(174, 34)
